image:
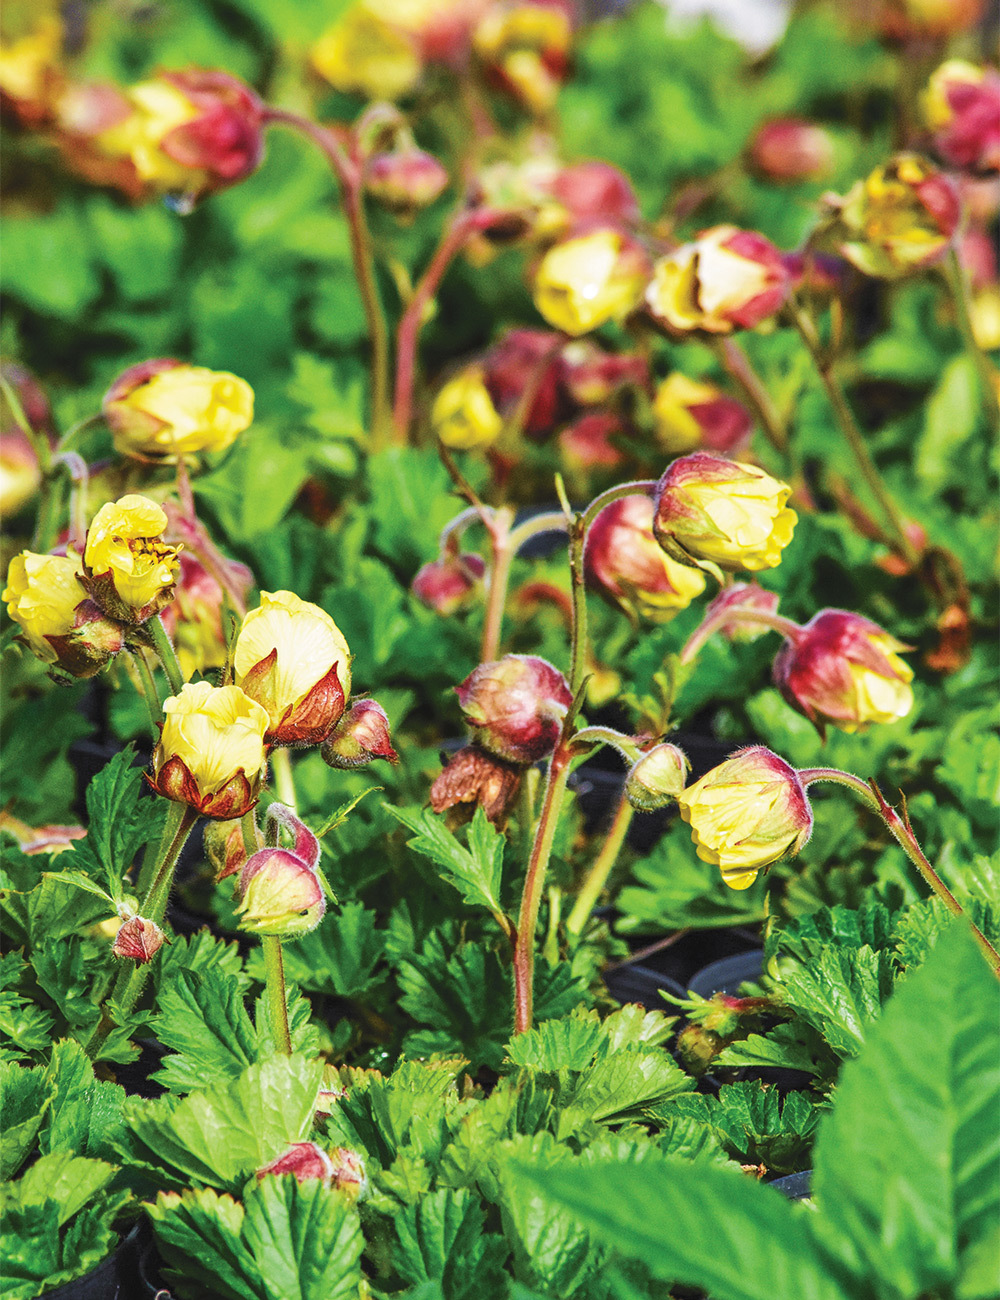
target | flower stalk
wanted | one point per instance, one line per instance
(603, 865)
(751, 617)
(164, 649)
(737, 366)
(958, 282)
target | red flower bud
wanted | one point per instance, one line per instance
(405, 180)
(517, 704)
(361, 736)
(587, 443)
(474, 777)
(305, 1160)
(280, 890)
(450, 583)
(592, 376)
(962, 109)
(138, 939)
(843, 668)
(791, 149)
(741, 595)
(524, 365)
(596, 190)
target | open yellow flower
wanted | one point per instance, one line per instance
(584, 282)
(723, 512)
(129, 570)
(42, 595)
(746, 813)
(211, 753)
(366, 53)
(463, 415)
(165, 408)
(294, 661)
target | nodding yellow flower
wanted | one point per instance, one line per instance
(164, 408)
(844, 669)
(59, 622)
(584, 282)
(722, 512)
(157, 108)
(747, 813)
(690, 414)
(463, 415)
(294, 661)
(129, 570)
(29, 64)
(211, 752)
(365, 53)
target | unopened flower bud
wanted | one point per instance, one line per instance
(902, 218)
(293, 660)
(163, 409)
(463, 415)
(657, 778)
(592, 376)
(366, 53)
(726, 279)
(192, 132)
(361, 736)
(791, 149)
(589, 442)
(746, 813)
(625, 563)
(690, 414)
(211, 752)
(138, 939)
(845, 670)
(524, 47)
(450, 583)
(128, 569)
(598, 191)
(225, 847)
(593, 278)
(59, 623)
(478, 779)
(280, 890)
(962, 108)
(517, 705)
(741, 596)
(405, 180)
(523, 366)
(723, 512)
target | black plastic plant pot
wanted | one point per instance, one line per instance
(797, 1187)
(628, 983)
(113, 1279)
(728, 974)
(689, 956)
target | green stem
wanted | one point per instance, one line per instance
(277, 997)
(541, 852)
(737, 365)
(501, 559)
(902, 832)
(958, 282)
(149, 691)
(131, 981)
(284, 783)
(625, 745)
(852, 434)
(165, 652)
(550, 948)
(597, 876)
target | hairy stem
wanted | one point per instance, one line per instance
(751, 617)
(597, 876)
(277, 996)
(149, 691)
(284, 783)
(165, 652)
(737, 365)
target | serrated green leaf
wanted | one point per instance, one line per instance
(199, 1234)
(908, 1163)
(25, 1096)
(755, 1125)
(571, 1043)
(71, 1181)
(840, 992)
(116, 829)
(442, 1239)
(475, 872)
(786, 1047)
(202, 1019)
(305, 1241)
(86, 1113)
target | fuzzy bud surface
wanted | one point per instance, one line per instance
(517, 705)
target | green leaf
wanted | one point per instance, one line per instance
(803, 936)
(71, 1181)
(698, 1224)
(908, 1164)
(116, 825)
(840, 992)
(25, 1096)
(786, 1047)
(199, 1235)
(475, 871)
(950, 418)
(86, 1113)
(305, 1241)
(219, 1137)
(753, 1123)
(442, 1239)
(571, 1043)
(202, 1019)
(463, 999)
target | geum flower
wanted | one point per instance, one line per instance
(844, 669)
(211, 753)
(59, 622)
(517, 706)
(747, 813)
(626, 565)
(292, 659)
(962, 108)
(590, 279)
(361, 736)
(128, 569)
(689, 414)
(163, 409)
(723, 513)
(463, 415)
(280, 890)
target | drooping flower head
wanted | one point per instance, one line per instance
(961, 107)
(211, 752)
(689, 414)
(450, 583)
(280, 892)
(657, 778)
(405, 180)
(473, 778)
(590, 279)
(791, 149)
(293, 660)
(523, 367)
(138, 940)
(625, 563)
(724, 512)
(128, 569)
(164, 409)
(361, 736)
(517, 705)
(368, 51)
(463, 415)
(524, 47)
(726, 279)
(746, 813)
(844, 669)
(59, 622)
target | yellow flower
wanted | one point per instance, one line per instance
(28, 63)
(657, 778)
(211, 753)
(581, 283)
(365, 54)
(746, 813)
(58, 622)
(157, 109)
(677, 430)
(526, 47)
(164, 408)
(293, 660)
(463, 415)
(722, 512)
(128, 569)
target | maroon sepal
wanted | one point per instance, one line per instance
(102, 591)
(314, 718)
(234, 799)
